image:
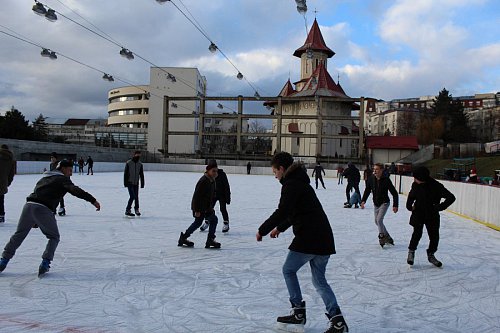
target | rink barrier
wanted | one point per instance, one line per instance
(476, 202)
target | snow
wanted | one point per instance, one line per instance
(114, 274)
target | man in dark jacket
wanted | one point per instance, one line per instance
(317, 174)
(132, 175)
(90, 166)
(424, 202)
(202, 207)
(353, 178)
(7, 172)
(40, 209)
(223, 195)
(313, 242)
(380, 186)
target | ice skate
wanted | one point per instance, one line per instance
(137, 212)
(337, 324)
(3, 264)
(348, 205)
(204, 226)
(61, 211)
(44, 267)
(381, 239)
(295, 321)
(2, 218)
(128, 213)
(411, 257)
(183, 241)
(388, 239)
(225, 227)
(212, 244)
(432, 259)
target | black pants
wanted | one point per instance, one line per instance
(2, 207)
(348, 190)
(223, 209)
(432, 231)
(321, 180)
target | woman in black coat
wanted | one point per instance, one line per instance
(424, 201)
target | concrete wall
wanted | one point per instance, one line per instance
(475, 201)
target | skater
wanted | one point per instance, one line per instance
(90, 166)
(40, 210)
(54, 161)
(313, 243)
(132, 175)
(249, 167)
(81, 163)
(355, 201)
(202, 207)
(7, 172)
(318, 169)
(424, 202)
(223, 195)
(380, 186)
(353, 178)
(340, 175)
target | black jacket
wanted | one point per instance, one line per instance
(204, 194)
(424, 201)
(133, 173)
(52, 187)
(352, 174)
(318, 169)
(380, 188)
(299, 207)
(222, 189)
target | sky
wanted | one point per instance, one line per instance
(118, 275)
(384, 49)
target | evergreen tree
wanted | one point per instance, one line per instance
(452, 114)
(14, 126)
(40, 128)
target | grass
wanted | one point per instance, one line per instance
(485, 165)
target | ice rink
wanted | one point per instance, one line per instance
(114, 274)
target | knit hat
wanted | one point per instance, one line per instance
(211, 164)
(53, 154)
(63, 163)
(422, 174)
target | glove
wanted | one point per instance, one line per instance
(228, 201)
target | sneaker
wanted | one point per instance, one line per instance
(204, 226)
(432, 259)
(61, 211)
(2, 218)
(183, 241)
(337, 324)
(411, 257)
(3, 264)
(44, 267)
(129, 213)
(212, 244)
(137, 212)
(225, 227)
(295, 321)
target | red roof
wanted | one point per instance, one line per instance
(314, 42)
(392, 142)
(287, 90)
(321, 84)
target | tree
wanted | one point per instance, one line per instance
(406, 124)
(40, 128)
(429, 129)
(451, 111)
(14, 126)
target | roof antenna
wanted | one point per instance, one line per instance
(338, 78)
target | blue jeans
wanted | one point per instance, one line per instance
(133, 192)
(294, 261)
(212, 220)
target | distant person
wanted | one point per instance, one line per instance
(392, 168)
(249, 167)
(495, 181)
(202, 208)
(223, 196)
(380, 186)
(54, 161)
(132, 176)
(367, 173)
(473, 176)
(40, 209)
(353, 178)
(7, 172)
(75, 164)
(340, 175)
(81, 163)
(313, 243)
(424, 202)
(318, 173)
(90, 166)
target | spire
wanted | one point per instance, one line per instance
(314, 42)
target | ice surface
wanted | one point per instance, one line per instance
(114, 274)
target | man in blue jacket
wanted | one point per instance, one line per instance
(313, 242)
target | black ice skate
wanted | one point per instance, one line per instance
(61, 211)
(411, 257)
(295, 321)
(432, 259)
(128, 213)
(381, 239)
(212, 244)
(337, 324)
(183, 241)
(44, 267)
(225, 227)
(137, 212)
(3, 264)
(388, 239)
